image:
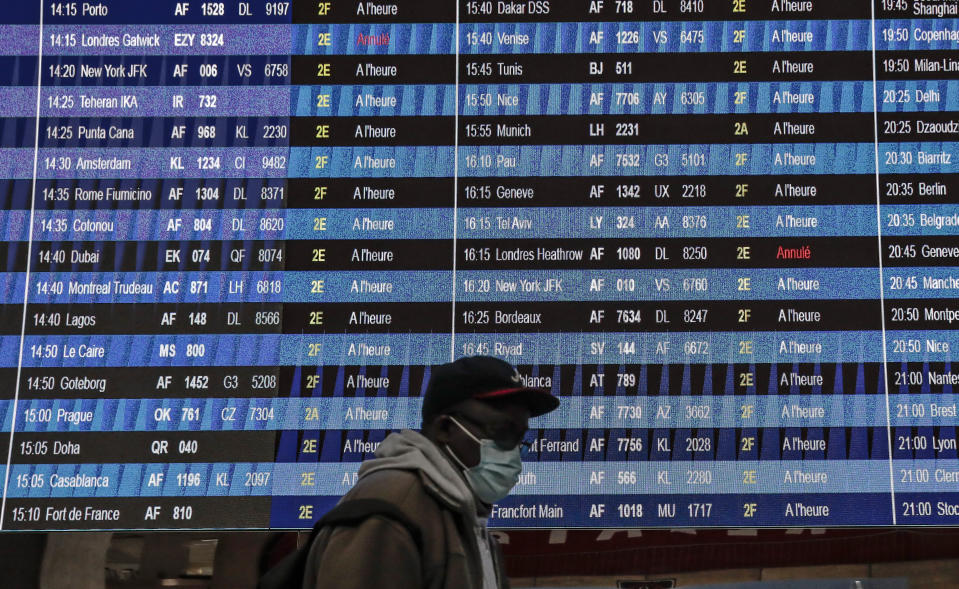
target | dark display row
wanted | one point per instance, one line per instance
(717, 445)
(540, 68)
(415, 11)
(480, 254)
(570, 511)
(482, 130)
(626, 315)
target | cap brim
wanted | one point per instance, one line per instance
(538, 401)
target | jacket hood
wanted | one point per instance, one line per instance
(411, 450)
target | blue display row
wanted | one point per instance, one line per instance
(483, 99)
(477, 286)
(695, 510)
(625, 160)
(572, 37)
(519, 348)
(286, 479)
(621, 511)
(141, 480)
(671, 285)
(235, 162)
(805, 477)
(472, 285)
(482, 38)
(636, 427)
(151, 39)
(849, 408)
(479, 162)
(649, 511)
(480, 223)
(686, 442)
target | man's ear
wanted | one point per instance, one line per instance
(441, 429)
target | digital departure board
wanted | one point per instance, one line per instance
(238, 234)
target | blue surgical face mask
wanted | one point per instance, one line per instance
(497, 472)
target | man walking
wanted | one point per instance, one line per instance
(431, 491)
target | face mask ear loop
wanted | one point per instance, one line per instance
(450, 450)
(465, 431)
(455, 457)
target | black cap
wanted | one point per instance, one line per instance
(481, 377)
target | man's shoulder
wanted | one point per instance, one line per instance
(402, 488)
(380, 481)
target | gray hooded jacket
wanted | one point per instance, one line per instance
(416, 476)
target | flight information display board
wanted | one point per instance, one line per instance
(237, 234)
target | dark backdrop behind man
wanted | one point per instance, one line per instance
(443, 482)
